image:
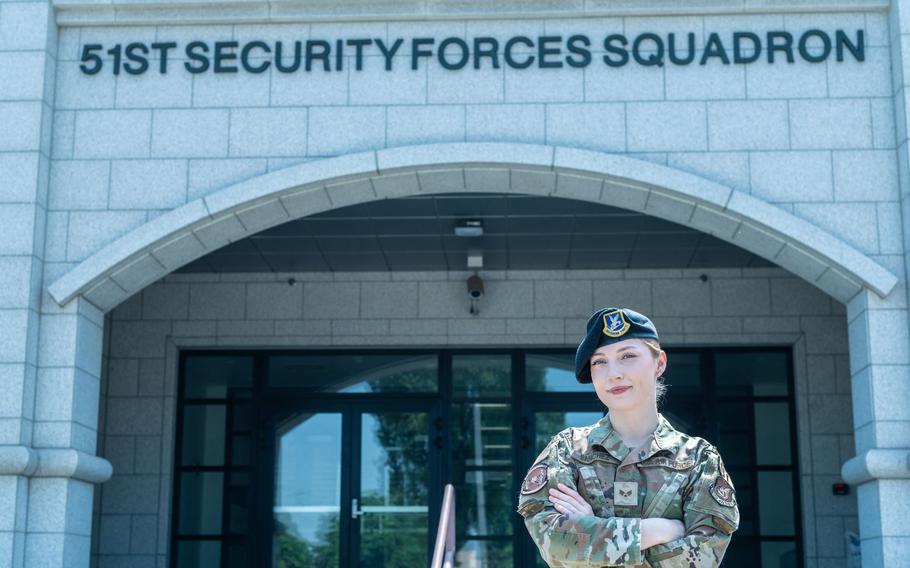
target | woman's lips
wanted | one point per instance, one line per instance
(618, 390)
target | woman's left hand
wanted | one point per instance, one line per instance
(568, 502)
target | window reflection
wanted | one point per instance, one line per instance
(355, 374)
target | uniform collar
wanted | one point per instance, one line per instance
(664, 437)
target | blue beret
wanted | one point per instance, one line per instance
(610, 325)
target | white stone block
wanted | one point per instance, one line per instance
(388, 300)
(625, 196)
(221, 231)
(797, 80)
(834, 124)
(206, 176)
(865, 175)
(25, 26)
(532, 181)
(681, 297)
(350, 193)
(82, 184)
(16, 275)
(727, 168)
(627, 83)
(562, 298)
(536, 85)
(869, 78)
(308, 202)
(217, 301)
(224, 90)
(174, 89)
(578, 187)
(190, 133)
(344, 130)
(20, 76)
(327, 300)
(21, 125)
(747, 125)
(506, 123)
(64, 134)
(670, 207)
(17, 225)
(713, 80)
(425, 124)
(484, 179)
(148, 184)
(757, 240)
(889, 228)
(888, 336)
(740, 297)
(883, 122)
(662, 127)
(112, 134)
(274, 301)
(21, 175)
(268, 132)
(316, 88)
(855, 223)
(792, 176)
(635, 294)
(465, 86)
(592, 126)
(373, 85)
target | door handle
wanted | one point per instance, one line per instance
(355, 512)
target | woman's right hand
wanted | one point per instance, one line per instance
(660, 531)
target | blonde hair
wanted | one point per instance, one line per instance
(660, 386)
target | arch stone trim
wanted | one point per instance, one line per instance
(128, 264)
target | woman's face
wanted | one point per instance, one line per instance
(625, 374)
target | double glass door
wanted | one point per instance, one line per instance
(354, 484)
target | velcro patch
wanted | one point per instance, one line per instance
(723, 492)
(535, 480)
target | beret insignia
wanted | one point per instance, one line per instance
(535, 480)
(615, 324)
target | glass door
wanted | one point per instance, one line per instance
(354, 484)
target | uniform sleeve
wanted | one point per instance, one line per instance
(573, 540)
(710, 514)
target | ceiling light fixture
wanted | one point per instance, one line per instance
(469, 228)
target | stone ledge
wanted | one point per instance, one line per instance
(877, 464)
(146, 12)
(49, 462)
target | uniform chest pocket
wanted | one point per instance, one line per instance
(591, 485)
(667, 501)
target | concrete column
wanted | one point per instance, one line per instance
(27, 63)
(880, 472)
(49, 357)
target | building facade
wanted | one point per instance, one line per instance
(234, 316)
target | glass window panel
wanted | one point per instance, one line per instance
(394, 467)
(240, 450)
(548, 424)
(355, 373)
(751, 374)
(741, 553)
(683, 372)
(735, 434)
(772, 433)
(482, 375)
(239, 503)
(486, 553)
(218, 376)
(203, 434)
(552, 373)
(239, 555)
(198, 554)
(307, 491)
(201, 497)
(242, 417)
(484, 504)
(745, 497)
(775, 503)
(482, 434)
(778, 555)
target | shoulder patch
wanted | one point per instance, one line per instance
(535, 480)
(723, 492)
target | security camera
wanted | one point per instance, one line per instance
(475, 287)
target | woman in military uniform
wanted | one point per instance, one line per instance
(629, 490)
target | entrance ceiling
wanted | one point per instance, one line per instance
(520, 233)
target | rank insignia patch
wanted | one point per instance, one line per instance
(723, 492)
(615, 324)
(535, 480)
(625, 494)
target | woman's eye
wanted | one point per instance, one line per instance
(628, 356)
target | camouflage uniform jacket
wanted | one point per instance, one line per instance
(671, 475)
